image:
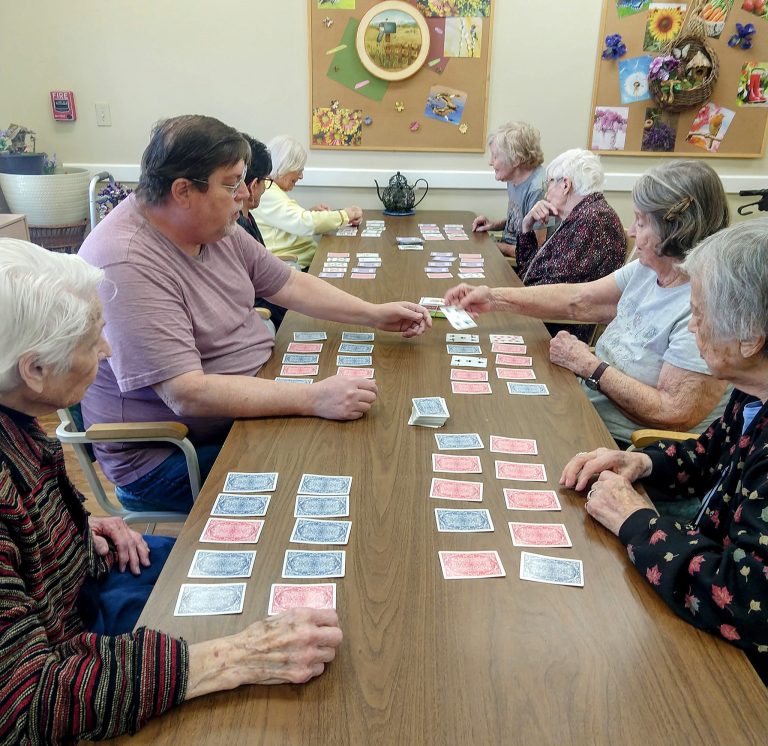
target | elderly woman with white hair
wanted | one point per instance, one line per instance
(71, 665)
(287, 227)
(713, 571)
(645, 370)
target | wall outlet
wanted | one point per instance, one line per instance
(103, 115)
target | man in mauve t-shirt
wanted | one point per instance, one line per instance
(178, 305)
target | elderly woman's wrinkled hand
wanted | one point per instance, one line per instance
(570, 352)
(584, 467)
(355, 214)
(481, 224)
(539, 213)
(473, 299)
(612, 499)
(132, 550)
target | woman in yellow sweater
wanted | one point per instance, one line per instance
(286, 226)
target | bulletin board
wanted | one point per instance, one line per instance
(410, 75)
(626, 119)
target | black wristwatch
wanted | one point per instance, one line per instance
(593, 381)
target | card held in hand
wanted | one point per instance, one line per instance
(458, 318)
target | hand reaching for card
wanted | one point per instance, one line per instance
(342, 398)
(410, 319)
(584, 467)
(290, 648)
(474, 300)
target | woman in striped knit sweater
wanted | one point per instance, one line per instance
(70, 665)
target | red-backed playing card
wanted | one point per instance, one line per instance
(521, 472)
(516, 374)
(509, 348)
(286, 596)
(299, 370)
(457, 464)
(513, 360)
(458, 565)
(464, 387)
(305, 347)
(513, 445)
(355, 372)
(439, 275)
(531, 499)
(468, 375)
(539, 535)
(227, 531)
(453, 489)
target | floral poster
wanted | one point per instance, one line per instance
(665, 20)
(709, 127)
(463, 37)
(448, 8)
(753, 85)
(630, 7)
(337, 127)
(659, 131)
(609, 131)
(633, 79)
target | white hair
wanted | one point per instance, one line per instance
(46, 306)
(730, 268)
(582, 167)
(287, 153)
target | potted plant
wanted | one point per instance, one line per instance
(48, 195)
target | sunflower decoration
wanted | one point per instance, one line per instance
(664, 25)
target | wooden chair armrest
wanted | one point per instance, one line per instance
(646, 436)
(265, 313)
(289, 258)
(512, 261)
(117, 430)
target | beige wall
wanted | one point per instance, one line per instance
(245, 61)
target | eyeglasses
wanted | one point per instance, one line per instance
(267, 182)
(553, 180)
(233, 189)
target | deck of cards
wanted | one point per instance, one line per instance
(429, 411)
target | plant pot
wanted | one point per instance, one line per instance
(22, 163)
(60, 198)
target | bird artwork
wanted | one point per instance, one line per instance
(442, 104)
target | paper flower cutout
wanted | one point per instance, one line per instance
(463, 128)
(334, 106)
(399, 106)
(743, 36)
(415, 126)
(614, 47)
(368, 121)
(327, 22)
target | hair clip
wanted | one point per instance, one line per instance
(679, 208)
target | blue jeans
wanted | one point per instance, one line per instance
(166, 487)
(122, 595)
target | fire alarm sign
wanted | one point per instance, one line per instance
(63, 106)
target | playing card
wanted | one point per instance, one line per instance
(314, 596)
(299, 370)
(458, 441)
(555, 570)
(456, 464)
(409, 239)
(469, 387)
(305, 347)
(293, 358)
(294, 380)
(319, 506)
(205, 600)
(331, 275)
(454, 489)
(520, 472)
(430, 406)
(240, 505)
(410, 246)
(243, 481)
(459, 361)
(472, 338)
(463, 521)
(454, 349)
(439, 275)
(528, 389)
(353, 361)
(531, 499)
(516, 374)
(468, 375)
(509, 349)
(355, 372)
(230, 531)
(513, 445)
(458, 318)
(506, 338)
(309, 336)
(217, 564)
(357, 276)
(357, 336)
(323, 484)
(299, 563)
(471, 275)
(309, 531)
(539, 534)
(337, 254)
(363, 271)
(457, 565)
(355, 349)
(502, 359)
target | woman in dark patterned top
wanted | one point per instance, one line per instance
(70, 666)
(713, 572)
(589, 243)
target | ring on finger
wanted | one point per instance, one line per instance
(590, 494)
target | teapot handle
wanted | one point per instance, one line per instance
(426, 189)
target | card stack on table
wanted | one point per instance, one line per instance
(471, 267)
(431, 232)
(236, 518)
(429, 411)
(440, 265)
(410, 243)
(455, 232)
(302, 358)
(335, 265)
(355, 356)
(367, 264)
(373, 229)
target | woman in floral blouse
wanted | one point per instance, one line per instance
(714, 571)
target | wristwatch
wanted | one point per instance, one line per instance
(593, 381)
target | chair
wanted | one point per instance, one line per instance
(127, 432)
(647, 436)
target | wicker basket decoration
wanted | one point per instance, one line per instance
(63, 238)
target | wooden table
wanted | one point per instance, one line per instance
(430, 661)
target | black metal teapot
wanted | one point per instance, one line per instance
(399, 197)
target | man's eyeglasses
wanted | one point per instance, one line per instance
(233, 189)
(267, 182)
